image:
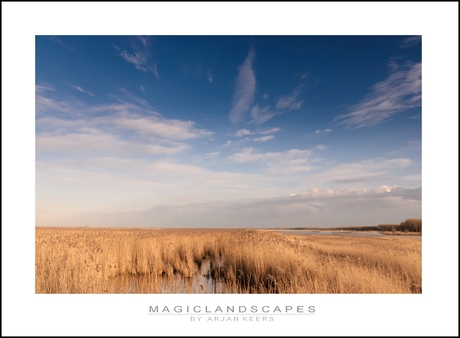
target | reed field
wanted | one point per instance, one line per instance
(128, 260)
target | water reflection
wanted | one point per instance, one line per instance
(201, 282)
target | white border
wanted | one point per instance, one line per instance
(435, 312)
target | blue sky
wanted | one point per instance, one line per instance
(220, 131)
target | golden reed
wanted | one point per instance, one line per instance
(115, 260)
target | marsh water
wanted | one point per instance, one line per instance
(341, 233)
(201, 282)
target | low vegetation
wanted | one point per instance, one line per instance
(409, 225)
(102, 260)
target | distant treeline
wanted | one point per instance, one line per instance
(409, 225)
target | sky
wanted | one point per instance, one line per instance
(227, 131)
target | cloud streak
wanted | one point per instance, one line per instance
(55, 39)
(244, 89)
(263, 138)
(318, 131)
(291, 102)
(138, 59)
(411, 41)
(398, 93)
(81, 90)
(287, 162)
(261, 115)
(140, 56)
(363, 171)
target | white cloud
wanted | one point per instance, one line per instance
(227, 144)
(287, 162)
(139, 59)
(399, 92)
(318, 131)
(114, 129)
(385, 188)
(115, 117)
(209, 76)
(320, 147)
(212, 155)
(155, 71)
(169, 129)
(242, 132)
(249, 155)
(96, 143)
(43, 88)
(58, 41)
(261, 115)
(263, 138)
(291, 102)
(142, 88)
(144, 40)
(140, 56)
(413, 178)
(269, 131)
(265, 96)
(363, 171)
(411, 41)
(81, 90)
(244, 90)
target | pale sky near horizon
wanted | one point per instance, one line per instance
(227, 131)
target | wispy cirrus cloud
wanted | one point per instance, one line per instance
(243, 132)
(318, 131)
(43, 88)
(243, 97)
(399, 92)
(144, 40)
(251, 155)
(321, 147)
(213, 154)
(154, 69)
(57, 40)
(411, 41)
(81, 90)
(289, 161)
(261, 115)
(291, 102)
(270, 131)
(363, 171)
(263, 138)
(244, 89)
(268, 134)
(139, 58)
